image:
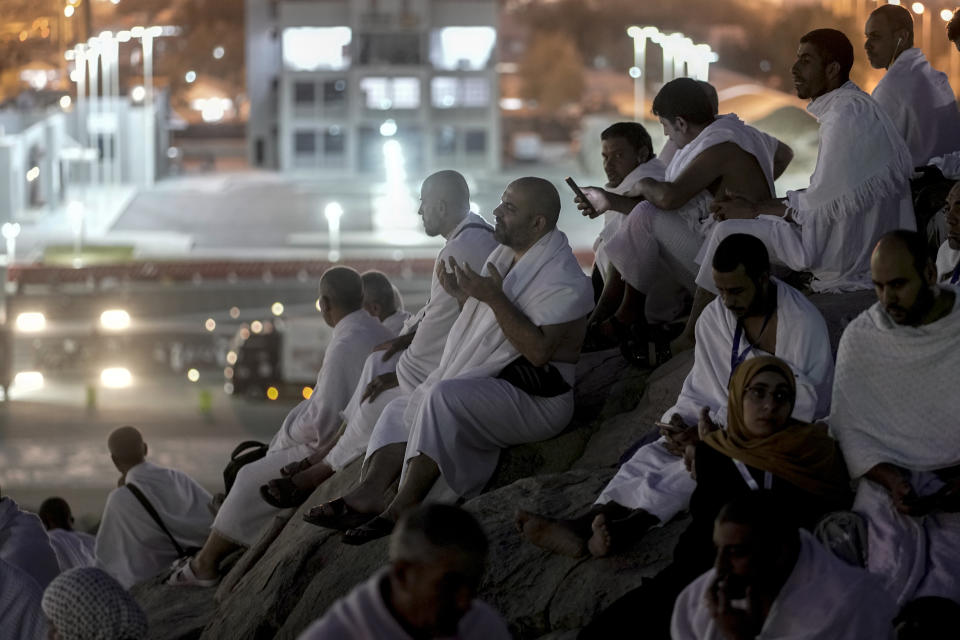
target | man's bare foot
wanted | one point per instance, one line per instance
(553, 535)
(600, 542)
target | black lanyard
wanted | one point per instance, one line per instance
(736, 356)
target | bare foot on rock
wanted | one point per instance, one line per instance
(553, 535)
(600, 542)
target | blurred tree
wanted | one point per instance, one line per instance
(552, 71)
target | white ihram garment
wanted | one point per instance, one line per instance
(859, 190)
(311, 423)
(130, 546)
(651, 236)
(613, 220)
(822, 599)
(395, 322)
(363, 615)
(895, 401)
(469, 244)
(462, 415)
(73, 548)
(24, 543)
(657, 481)
(20, 612)
(920, 102)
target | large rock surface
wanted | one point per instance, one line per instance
(276, 591)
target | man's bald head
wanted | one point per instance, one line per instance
(379, 296)
(341, 293)
(127, 448)
(904, 276)
(444, 202)
(529, 209)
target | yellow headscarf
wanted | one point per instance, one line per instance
(802, 454)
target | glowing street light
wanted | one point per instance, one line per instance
(115, 320)
(116, 377)
(333, 212)
(31, 322)
(920, 10)
(639, 70)
(946, 15)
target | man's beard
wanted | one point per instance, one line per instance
(919, 308)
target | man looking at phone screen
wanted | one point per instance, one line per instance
(771, 580)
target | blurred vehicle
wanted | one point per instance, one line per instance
(284, 355)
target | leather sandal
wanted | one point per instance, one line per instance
(339, 516)
(378, 527)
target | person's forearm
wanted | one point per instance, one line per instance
(664, 195)
(773, 207)
(527, 337)
(886, 474)
(622, 204)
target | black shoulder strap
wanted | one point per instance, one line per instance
(473, 225)
(156, 516)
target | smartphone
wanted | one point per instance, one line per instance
(580, 194)
(671, 427)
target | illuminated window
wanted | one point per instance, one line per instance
(448, 92)
(462, 48)
(316, 48)
(390, 93)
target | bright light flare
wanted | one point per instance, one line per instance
(190, 76)
(116, 377)
(65, 102)
(918, 8)
(193, 375)
(33, 174)
(946, 15)
(137, 94)
(115, 320)
(307, 392)
(256, 326)
(31, 322)
(231, 357)
(28, 381)
(210, 324)
(68, 11)
(273, 393)
(277, 308)
(317, 305)
(234, 312)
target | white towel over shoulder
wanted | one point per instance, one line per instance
(894, 394)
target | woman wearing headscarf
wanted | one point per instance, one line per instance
(761, 448)
(87, 604)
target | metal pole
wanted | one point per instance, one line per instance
(148, 106)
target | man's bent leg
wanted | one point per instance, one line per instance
(379, 472)
(421, 474)
(205, 565)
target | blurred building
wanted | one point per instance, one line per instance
(330, 82)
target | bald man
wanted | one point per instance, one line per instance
(916, 97)
(395, 369)
(895, 408)
(131, 546)
(382, 300)
(506, 374)
(308, 427)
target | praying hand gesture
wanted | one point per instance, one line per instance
(448, 280)
(483, 288)
(678, 435)
(733, 206)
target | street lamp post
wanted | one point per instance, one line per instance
(640, 35)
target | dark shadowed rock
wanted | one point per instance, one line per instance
(541, 595)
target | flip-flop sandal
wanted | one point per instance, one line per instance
(343, 516)
(303, 465)
(183, 576)
(283, 494)
(375, 529)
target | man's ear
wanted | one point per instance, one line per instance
(833, 70)
(144, 449)
(643, 155)
(680, 124)
(930, 273)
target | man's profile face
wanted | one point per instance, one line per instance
(809, 72)
(432, 210)
(881, 43)
(619, 159)
(904, 292)
(674, 130)
(514, 223)
(953, 217)
(737, 290)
